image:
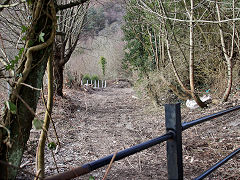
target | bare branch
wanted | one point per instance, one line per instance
(6, 5)
(147, 8)
(71, 4)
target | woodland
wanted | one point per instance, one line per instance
(149, 52)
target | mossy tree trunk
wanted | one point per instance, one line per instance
(58, 79)
(61, 57)
(32, 69)
(58, 69)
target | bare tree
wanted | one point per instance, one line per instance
(70, 24)
(228, 55)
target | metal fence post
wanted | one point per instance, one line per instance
(174, 146)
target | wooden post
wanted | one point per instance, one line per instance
(174, 146)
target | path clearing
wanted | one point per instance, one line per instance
(91, 126)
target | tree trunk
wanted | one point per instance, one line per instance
(33, 70)
(58, 65)
(191, 60)
(58, 78)
(228, 56)
(229, 80)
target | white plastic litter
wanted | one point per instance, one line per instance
(193, 105)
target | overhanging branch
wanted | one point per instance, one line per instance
(6, 5)
(71, 4)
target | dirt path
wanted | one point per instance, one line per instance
(91, 126)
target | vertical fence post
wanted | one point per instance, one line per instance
(174, 146)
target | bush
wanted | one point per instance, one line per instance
(86, 78)
(94, 78)
(103, 63)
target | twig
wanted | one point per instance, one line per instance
(3, 51)
(7, 140)
(26, 104)
(54, 159)
(109, 166)
(131, 164)
(31, 87)
(12, 5)
(6, 77)
(139, 162)
(86, 101)
(24, 164)
(37, 174)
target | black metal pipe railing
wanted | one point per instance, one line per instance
(187, 125)
(86, 168)
(217, 165)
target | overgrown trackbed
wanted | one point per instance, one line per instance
(93, 125)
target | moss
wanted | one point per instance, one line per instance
(15, 159)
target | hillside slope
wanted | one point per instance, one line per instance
(102, 37)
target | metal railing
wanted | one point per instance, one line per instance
(173, 136)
